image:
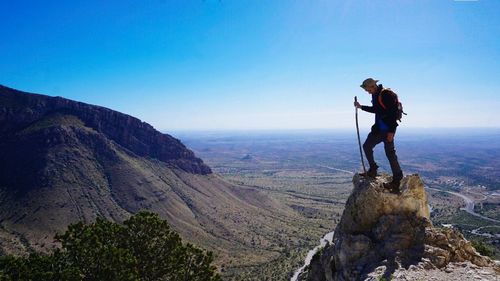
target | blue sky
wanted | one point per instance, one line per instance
(258, 64)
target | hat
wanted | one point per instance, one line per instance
(368, 82)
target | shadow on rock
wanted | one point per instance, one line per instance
(381, 230)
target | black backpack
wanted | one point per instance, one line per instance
(400, 112)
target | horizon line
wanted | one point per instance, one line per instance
(313, 129)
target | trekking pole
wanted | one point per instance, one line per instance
(359, 140)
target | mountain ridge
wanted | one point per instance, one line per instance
(20, 109)
(63, 161)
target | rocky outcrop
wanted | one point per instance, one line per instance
(19, 110)
(379, 228)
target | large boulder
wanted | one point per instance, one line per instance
(379, 228)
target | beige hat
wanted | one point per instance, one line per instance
(368, 82)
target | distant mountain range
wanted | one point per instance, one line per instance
(63, 161)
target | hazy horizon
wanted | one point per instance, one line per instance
(411, 129)
(405, 134)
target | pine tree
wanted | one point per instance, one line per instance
(142, 248)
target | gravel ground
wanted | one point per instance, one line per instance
(453, 272)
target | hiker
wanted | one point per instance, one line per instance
(385, 107)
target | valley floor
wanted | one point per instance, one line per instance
(312, 175)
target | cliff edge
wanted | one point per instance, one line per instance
(381, 234)
(20, 111)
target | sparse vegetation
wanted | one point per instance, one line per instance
(53, 120)
(483, 248)
(294, 170)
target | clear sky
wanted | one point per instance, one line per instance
(238, 64)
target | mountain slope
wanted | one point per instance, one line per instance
(19, 110)
(63, 161)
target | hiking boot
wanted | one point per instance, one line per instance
(393, 186)
(397, 177)
(372, 172)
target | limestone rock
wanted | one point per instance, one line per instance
(379, 229)
(369, 201)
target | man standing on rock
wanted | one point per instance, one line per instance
(385, 107)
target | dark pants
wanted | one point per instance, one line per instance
(375, 138)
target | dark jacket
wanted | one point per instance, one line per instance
(385, 119)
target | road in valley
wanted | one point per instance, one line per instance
(469, 204)
(337, 169)
(328, 238)
(477, 231)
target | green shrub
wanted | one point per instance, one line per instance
(142, 248)
(483, 248)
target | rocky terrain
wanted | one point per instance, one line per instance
(384, 235)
